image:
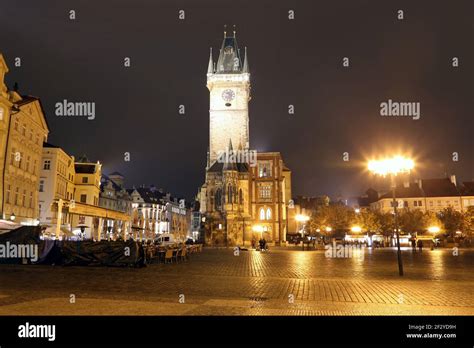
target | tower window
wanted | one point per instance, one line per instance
(262, 214)
(264, 169)
(269, 214)
(229, 194)
(265, 191)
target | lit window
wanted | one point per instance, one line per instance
(265, 191)
(269, 214)
(264, 169)
(262, 214)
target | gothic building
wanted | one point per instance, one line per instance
(246, 194)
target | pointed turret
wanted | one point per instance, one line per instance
(229, 163)
(245, 69)
(229, 61)
(210, 66)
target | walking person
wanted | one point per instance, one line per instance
(420, 245)
(413, 244)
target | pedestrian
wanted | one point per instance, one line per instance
(254, 242)
(413, 244)
(420, 245)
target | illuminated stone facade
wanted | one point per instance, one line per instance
(243, 198)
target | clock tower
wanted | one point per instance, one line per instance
(228, 82)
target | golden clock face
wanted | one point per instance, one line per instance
(228, 95)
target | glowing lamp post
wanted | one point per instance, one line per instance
(434, 229)
(393, 166)
(356, 229)
(302, 218)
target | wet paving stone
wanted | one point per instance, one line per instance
(280, 282)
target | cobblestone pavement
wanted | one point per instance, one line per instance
(280, 282)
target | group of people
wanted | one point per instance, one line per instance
(419, 244)
(262, 244)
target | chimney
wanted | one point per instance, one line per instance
(452, 178)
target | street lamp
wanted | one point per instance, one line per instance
(301, 218)
(393, 166)
(434, 229)
(12, 217)
(356, 229)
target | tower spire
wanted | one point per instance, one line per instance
(229, 163)
(245, 69)
(210, 66)
(229, 61)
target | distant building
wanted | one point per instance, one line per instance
(87, 184)
(155, 212)
(363, 202)
(113, 195)
(56, 182)
(428, 195)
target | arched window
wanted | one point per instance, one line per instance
(241, 197)
(229, 194)
(236, 196)
(218, 198)
(269, 214)
(262, 214)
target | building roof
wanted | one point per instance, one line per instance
(116, 174)
(468, 188)
(26, 99)
(150, 195)
(104, 180)
(413, 190)
(50, 145)
(426, 188)
(439, 188)
(83, 159)
(218, 167)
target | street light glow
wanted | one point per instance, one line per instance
(301, 218)
(356, 229)
(328, 229)
(394, 165)
(434, 229)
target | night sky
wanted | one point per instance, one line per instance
(296, 62)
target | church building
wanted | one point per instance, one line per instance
(246, 195)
